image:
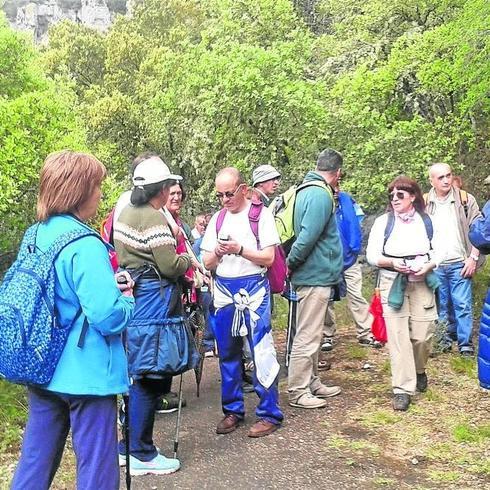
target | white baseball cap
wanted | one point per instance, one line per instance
(151, 171)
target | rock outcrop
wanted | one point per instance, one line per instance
(37, 16)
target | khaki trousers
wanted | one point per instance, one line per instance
(356, 303)
(410, 331)
(303, 364)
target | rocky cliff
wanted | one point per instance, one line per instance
(37, 15)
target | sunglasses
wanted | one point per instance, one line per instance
(400, 195)
(228, 194)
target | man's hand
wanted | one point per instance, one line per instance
(228, 247)
(469, 268)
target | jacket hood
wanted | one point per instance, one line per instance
(312, 175)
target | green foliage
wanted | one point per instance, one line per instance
(415, 103)
(35, 119)
(205, 84)
(393, 85)
(13, 414)
(17, 73)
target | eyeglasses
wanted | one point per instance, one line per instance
(228, 194)
(400, 195)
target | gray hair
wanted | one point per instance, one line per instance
(329, 160)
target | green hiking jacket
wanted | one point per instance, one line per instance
(315, 258)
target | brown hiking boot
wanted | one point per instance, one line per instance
(262, 428)
(227, 424)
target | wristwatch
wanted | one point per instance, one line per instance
(474, 257)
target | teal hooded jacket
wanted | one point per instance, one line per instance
(315, 258)
(84, 279)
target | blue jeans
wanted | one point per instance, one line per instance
(92, 420)
(455, 305)
(143, 398)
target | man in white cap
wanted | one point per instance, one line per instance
(265, 181)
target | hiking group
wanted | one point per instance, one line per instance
(122, 313)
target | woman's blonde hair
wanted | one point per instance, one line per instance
(67, 181)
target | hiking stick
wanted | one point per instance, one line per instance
(126, 438)
(177, 425)
(291, 325)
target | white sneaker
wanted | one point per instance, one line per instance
(308, 401)
(326, 391)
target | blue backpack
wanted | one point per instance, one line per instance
(349, 228)
(31, 337)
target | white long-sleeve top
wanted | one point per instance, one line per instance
(405, 239)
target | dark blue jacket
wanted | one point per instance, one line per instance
(349, 228)
(480, 238)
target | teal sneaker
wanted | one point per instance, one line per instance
(122, 457)
(160, 465)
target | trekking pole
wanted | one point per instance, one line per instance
(177, 424)
(291, 324)
(124, 280)
(126, 439)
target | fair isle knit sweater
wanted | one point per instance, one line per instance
(142, 236)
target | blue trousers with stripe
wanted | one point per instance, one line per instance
(230, 351)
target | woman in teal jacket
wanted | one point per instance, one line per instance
(82, 394)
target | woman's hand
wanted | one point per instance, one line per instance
(124, 283)
(400, 266)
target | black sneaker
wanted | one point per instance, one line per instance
(169, 403)
(467, 353)
(422, 383)
(370, 342)
(401, 401)
(327, 344)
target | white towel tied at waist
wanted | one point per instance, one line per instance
(243, 301)
(264, 353)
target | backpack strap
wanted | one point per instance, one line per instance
(429, 229)
(463, 197)
(83, 333)
(390, 224)
(220, 219)
(317, 183)
(253, 218)
(55, 249)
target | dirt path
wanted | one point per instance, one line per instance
(302, 454)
